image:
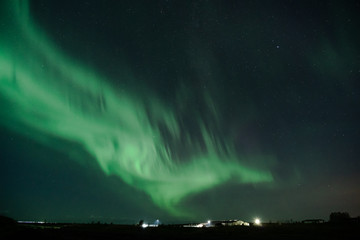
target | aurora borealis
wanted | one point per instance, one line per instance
(181, 109)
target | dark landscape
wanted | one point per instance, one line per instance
(10, 229)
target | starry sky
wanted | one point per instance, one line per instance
(117, 111)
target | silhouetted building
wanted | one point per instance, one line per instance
(313, 221)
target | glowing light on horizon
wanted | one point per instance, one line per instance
(51, 96)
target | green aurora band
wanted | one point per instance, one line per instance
(66, 100)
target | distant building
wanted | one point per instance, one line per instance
(231, 223)
(312, 221)
(145, 225)
(219, 223)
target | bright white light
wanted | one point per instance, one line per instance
(209, 221)
(257, 221)
(144, 225)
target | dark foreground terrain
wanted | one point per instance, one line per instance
(103, 231)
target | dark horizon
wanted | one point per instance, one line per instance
(334, 218)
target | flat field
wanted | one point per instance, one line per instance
(110, 231)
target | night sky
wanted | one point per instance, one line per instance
(117, 111)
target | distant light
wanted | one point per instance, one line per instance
(32, 222)
(144, 225)
(257, 221)
(209, 221)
